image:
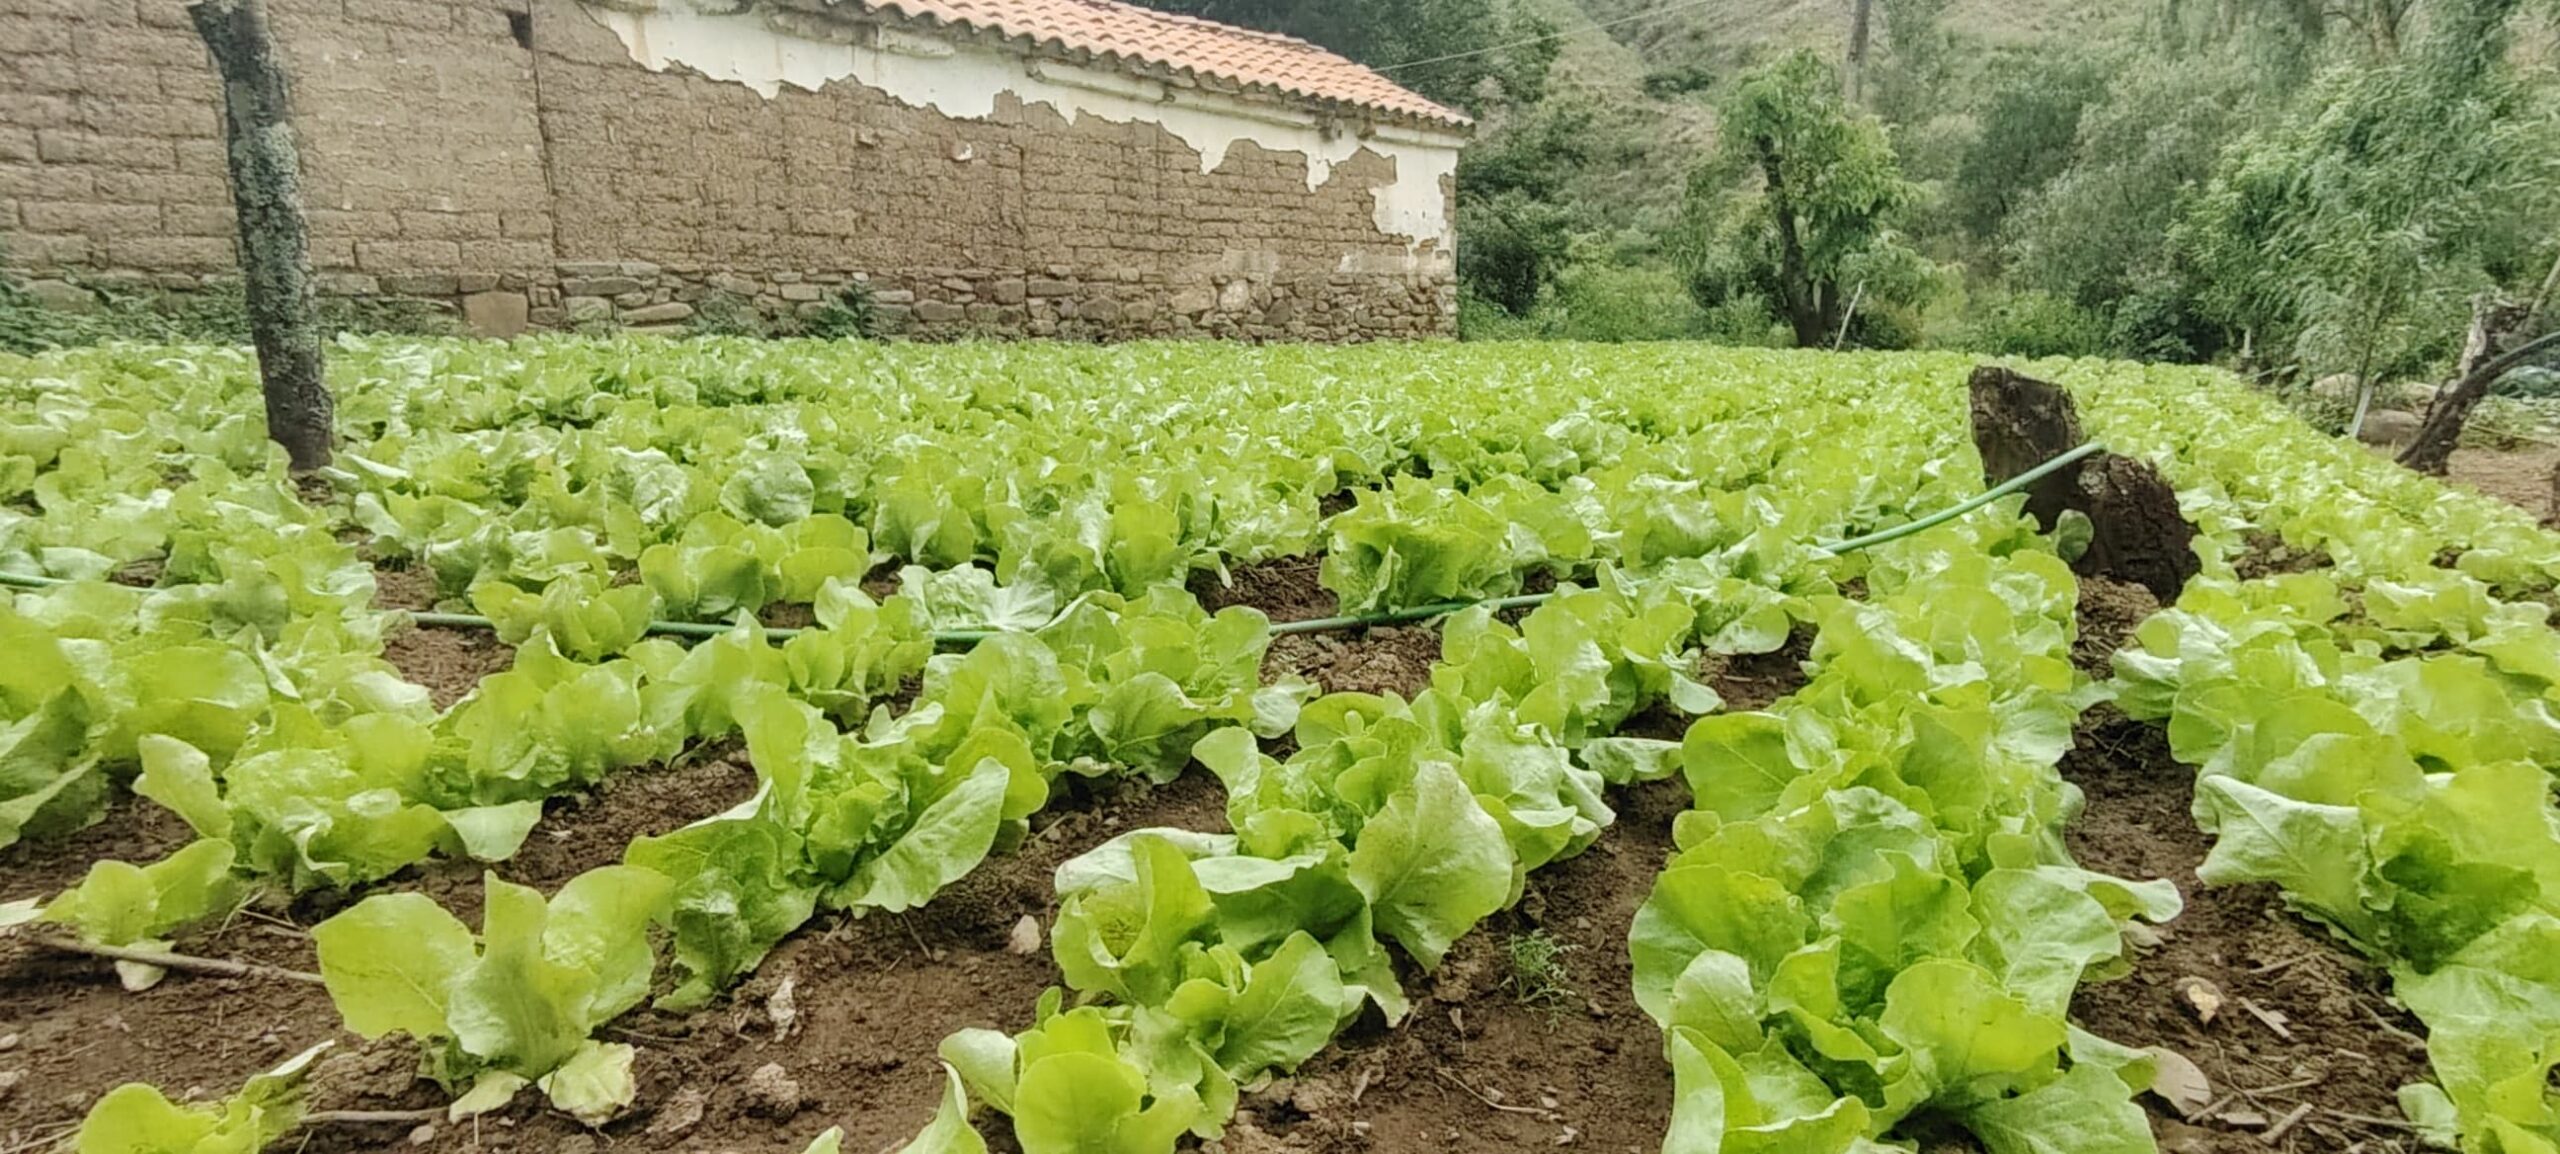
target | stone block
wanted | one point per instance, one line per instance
(580, 310)
(634, 300)
(805, 292)
(658, 314)
(421, 284)
(735, 285)
(893, 297)
(1009, 291)
(576, 269)
(63, 296)
(475, 282)
(639, 268)
(497, 314)
(1046, 287)
(345, 284)
(938, 312)
(601, 286)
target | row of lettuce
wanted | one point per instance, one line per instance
(246, 692)
(1870, 918)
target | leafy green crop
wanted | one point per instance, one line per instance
(1871, 918)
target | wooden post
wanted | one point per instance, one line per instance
(275, 244)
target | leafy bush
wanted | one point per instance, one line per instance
(849, 316)
(2033, 324)
(726, 314)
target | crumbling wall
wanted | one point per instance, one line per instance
(425, 168)
(547, 162)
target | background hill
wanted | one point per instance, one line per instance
(2311, 186)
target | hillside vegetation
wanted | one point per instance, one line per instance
(2309, 187)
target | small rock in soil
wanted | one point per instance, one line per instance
(8, 1042)
(681, 1113)
(423, 1135)
(2201, 998)
(782, 1008)
(9, 1083)
(1025, 938)
(771, 1092)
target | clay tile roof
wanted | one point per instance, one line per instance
(1183, 43)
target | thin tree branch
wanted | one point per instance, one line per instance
(184, 963)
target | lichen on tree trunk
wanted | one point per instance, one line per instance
(275, 246)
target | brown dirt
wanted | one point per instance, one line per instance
(133, 830)
(581, 832)
(2521, 477)
(81, 1034)
(1586, 1056)
(2269, 556)
(403, 588)
(1756, 681)
(874, 997)
(449, 662)
(2110, 610)
(1284, 590)
(2343, 1048)
(1370, 661)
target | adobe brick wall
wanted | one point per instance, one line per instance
(561, 182)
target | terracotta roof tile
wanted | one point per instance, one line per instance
(1204, 47)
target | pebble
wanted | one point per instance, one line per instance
(771, 1092)
(423, 1135)
(1025, 938)
(9, 1083)
(8, 1042)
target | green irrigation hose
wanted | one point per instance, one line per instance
(964, 637)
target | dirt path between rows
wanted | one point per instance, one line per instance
(2300, 1021)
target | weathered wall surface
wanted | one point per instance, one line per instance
(540, 161)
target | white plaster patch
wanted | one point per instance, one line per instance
(963, 82)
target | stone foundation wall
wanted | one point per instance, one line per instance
(510, 160)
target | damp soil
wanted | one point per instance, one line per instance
(852, 1043)
(132, 830)
(1499, 1055)
(2521, 476)
(1286, 589)
(2300, 1022)
(449, 662)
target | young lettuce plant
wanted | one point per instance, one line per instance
(138, 1119)
(516, 1004)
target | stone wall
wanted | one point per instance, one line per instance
(511, 159)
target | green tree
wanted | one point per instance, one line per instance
(2097, 234)
(1799, 206)
(2027, 133)
(2354, 231)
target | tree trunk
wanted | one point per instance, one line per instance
(2485, 358)
(1795, 274)
(275, 245)
(2137, 534)
(1861, 31)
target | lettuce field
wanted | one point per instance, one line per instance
(745, 746)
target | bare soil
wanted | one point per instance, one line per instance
(2521, 476)
(870, 1000)
(133, 830)
(449, 662)
(1493, 1058)
(2301, 1022)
